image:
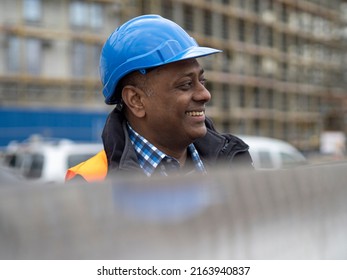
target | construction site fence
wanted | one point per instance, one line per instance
(298, 213)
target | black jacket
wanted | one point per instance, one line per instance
(214, 148)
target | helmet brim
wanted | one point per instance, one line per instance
(193, 52)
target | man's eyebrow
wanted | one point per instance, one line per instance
(192, 73)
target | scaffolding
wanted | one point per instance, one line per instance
(281, 74)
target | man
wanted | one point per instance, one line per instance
(149, 70)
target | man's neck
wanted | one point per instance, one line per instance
(180, 154)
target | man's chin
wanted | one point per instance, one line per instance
(199, 133)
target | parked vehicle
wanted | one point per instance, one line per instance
(7, 177)
(47, 160)
(270, 153)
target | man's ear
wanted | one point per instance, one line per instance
(133, 99)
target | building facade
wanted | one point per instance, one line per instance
(281, 73)
(50, 51)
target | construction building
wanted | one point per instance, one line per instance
(281, 74)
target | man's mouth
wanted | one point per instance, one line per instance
(195, 113)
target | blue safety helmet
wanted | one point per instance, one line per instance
(144, 42)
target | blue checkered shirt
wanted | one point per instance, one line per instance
(151, 158)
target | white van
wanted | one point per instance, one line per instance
(270, 153)
(47, 160)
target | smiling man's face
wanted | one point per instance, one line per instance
(175, 104)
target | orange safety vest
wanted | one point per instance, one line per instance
(92, 170)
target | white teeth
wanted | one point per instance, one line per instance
(195, 113)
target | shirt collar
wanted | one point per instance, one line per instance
(150, 157)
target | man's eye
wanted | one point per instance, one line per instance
(186, 86)
(203, 81)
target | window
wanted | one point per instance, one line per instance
(270, 97)
(256, 34)
(226, 60)
(188, 17)
(78, 60)
(28, 60)
(256, 6)
(85, 59)
(13, 54)
(284, 102)
(290, 160)
(86, 15)
(241, 30)
(225, 27)
(78, 13)
(33, 166)
(257, 126)
(256, 64)
(284, 71)
(239, 62)
(167, 9)
(33, 56)
(242, 4)
(207, 23)
(241, 127)
(284, 42)
(265, 159)
(242, 96)
(32, 10)
(257, 101)
(225, 97)
(284, 13)
(270, 37)
(96, 50)
(96, 16)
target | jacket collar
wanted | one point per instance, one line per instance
(216, 148)
(119, 151)
(213, 147)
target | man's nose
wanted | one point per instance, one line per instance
(202, 94)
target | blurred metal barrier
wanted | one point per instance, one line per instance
(289, 214)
